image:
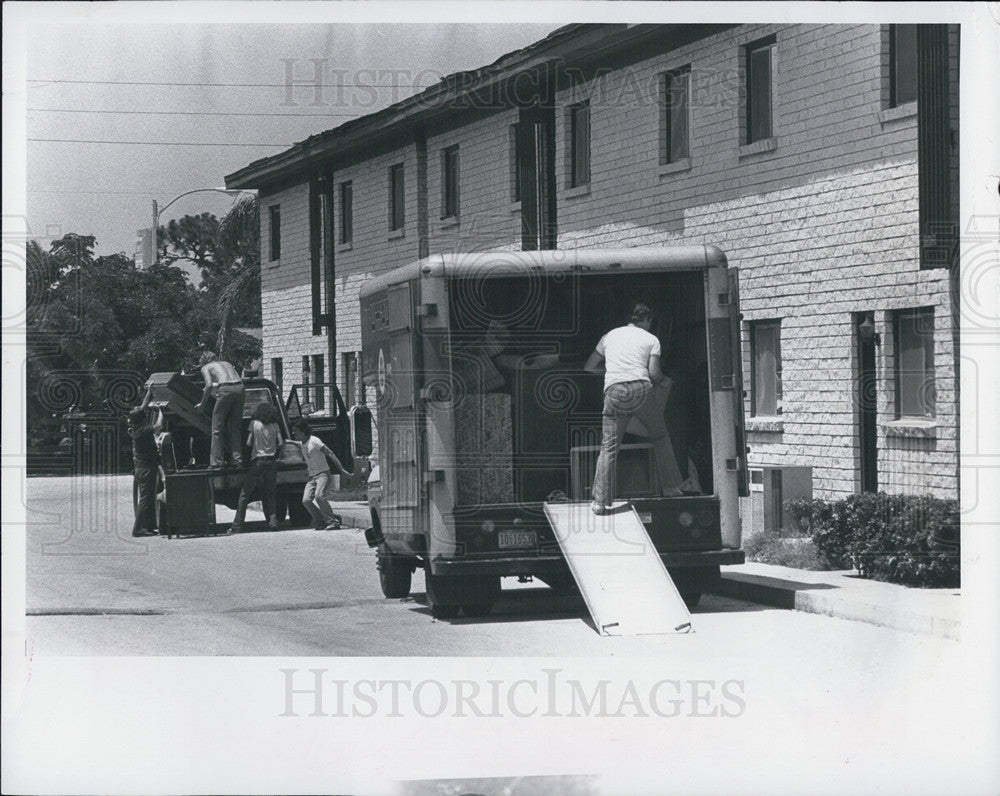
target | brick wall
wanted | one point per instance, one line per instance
(821, 221)
(821, 226)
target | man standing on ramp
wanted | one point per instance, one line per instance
(634, 387)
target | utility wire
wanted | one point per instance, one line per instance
(297, 83)
(192, 113)
(150, 143)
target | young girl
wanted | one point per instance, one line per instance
(264, 439)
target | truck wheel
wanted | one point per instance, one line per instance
(481, 595)
(395, 573)
(444, 594)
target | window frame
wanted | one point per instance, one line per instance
(751, 102)
(578, 176)
(277, 373)
(894, 100)
(346, 198)
(274, 232)
(667, 155)
(450, 182)
(397, 197)
(755, 329)
(924, 320)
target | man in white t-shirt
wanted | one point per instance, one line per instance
(634, 387)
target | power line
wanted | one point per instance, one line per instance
(192, 113)
(156, 192)
(298, 83)
(150, 143)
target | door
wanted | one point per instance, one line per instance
(867, 400)
(535, 142)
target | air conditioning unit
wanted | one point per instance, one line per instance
(770, 487)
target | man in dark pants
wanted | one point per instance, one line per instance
(224, 383)
(145, 462)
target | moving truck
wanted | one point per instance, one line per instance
(485, 413)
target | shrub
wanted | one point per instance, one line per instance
(907, 539)
(777, 547)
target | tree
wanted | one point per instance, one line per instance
(239, 242)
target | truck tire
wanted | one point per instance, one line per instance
(395, 573)
(449, 594)
(479, 600)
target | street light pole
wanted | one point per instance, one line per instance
(158, 211)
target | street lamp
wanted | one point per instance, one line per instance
(158, 211)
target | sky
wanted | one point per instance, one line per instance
(118, 115)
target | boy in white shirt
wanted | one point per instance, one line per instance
(318, 459)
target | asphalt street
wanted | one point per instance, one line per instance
(93, 590)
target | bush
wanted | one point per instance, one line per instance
(912, 540)
(777, 547)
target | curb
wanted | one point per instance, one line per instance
(817, 599)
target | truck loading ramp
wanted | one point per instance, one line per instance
(621, 576)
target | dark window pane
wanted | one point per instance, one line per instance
(677, 103)
(397, 194)
(276, 374)
(275, 252)
(516, 197)
(915, 363)
(766, 365)
(449, 182)
(318, 378)
(346, 212)
(580, 124)
(759, 93)
(903, 64)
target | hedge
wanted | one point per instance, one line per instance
(913, 540)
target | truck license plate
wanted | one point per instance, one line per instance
(507, 539)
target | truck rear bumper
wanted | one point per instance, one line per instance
(554, 562)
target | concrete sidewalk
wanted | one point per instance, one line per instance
(845, 595)
(839, 593)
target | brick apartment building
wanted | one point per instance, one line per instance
(821, 158)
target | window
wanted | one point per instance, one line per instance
(758, 68)
(913, 333)
(449, 182)
(515, 166)
(765, 368)
(276, 375)
(275, 213)
(902, 64)
(676, 105)
(346, 212)
(579, 127)
(351, 381)
(397, 197)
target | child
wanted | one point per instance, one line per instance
(318, 458)
(145, 461)
(264, 439)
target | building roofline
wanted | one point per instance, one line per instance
(486, 265)
(569, 45)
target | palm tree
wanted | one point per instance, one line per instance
(239, 243)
